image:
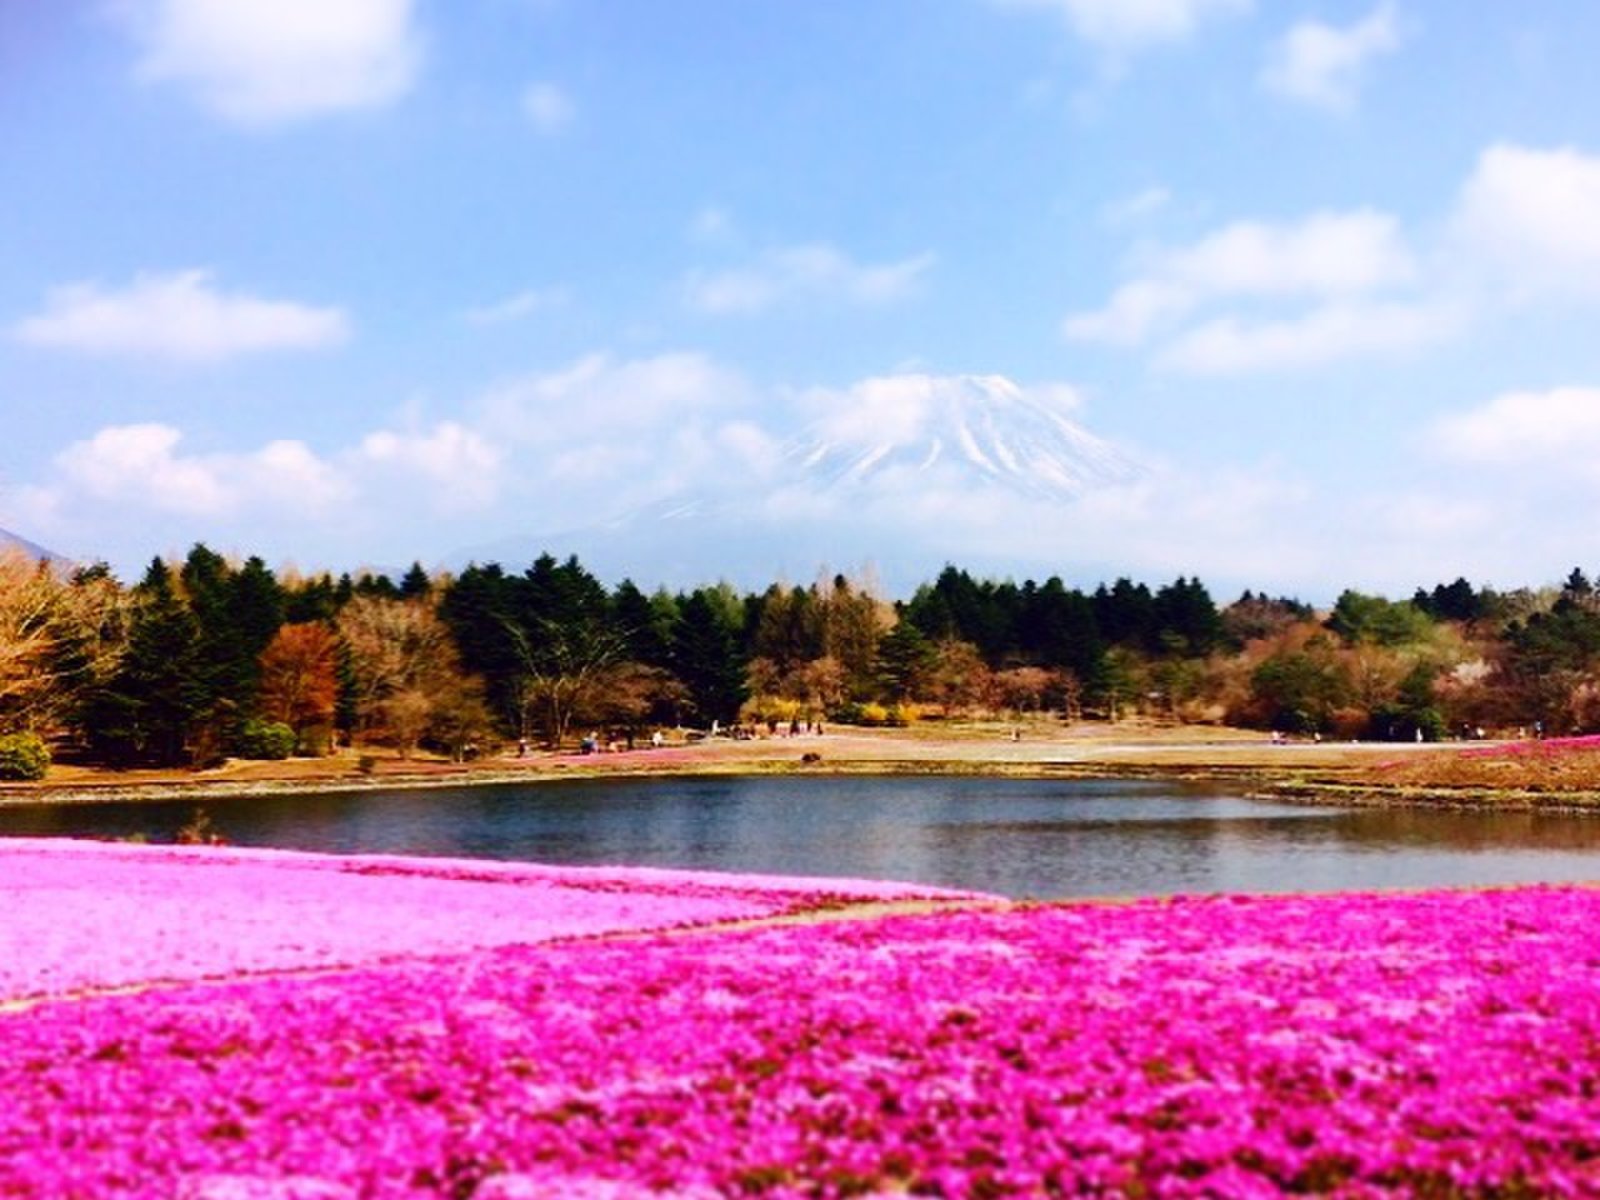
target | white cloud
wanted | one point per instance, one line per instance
(181, 317)
(513, 308)
(262, 62)
(1551, 430)
(1122, 25)
(548, 107)
(710, 224)
(1329, 333)
(140, 467)
(1325, 65)
(1525, 228)
(600, 398)
(1138, 207)
(1133, 313)
(602, 434)
(816, 270)
(1325, 255)
(463, 465)
(1532, 219)
(126, 462)
(891, 409)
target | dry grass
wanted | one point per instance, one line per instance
(1527, 767)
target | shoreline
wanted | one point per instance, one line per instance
(1343, 775)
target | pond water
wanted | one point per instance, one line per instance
(1021, 838)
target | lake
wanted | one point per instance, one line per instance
(1022, 838)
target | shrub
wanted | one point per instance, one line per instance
(874, 714)
(265, 739)
(23, 756)
(847, 712)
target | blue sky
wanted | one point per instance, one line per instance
(357, 281)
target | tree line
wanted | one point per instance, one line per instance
(211, 657)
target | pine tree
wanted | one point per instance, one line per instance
(146, 710)
(706, 657)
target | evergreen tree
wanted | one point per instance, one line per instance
(236, 615)
(312, 600)
(145, 711)
(706, 656)
(477, 608)
(1187, 618)
(1059, 629)
(645, 629)
(1125, 614)
(415, 583)
(904, 659)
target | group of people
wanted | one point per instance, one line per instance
(775, 728)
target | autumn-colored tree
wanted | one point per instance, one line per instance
(826, 683)
(958, 678)
(29, 596)
(852, 620)
(1023, 689)
(402, 665)
(298, 682)
(632, 695)
(459, 720)
(60, 636)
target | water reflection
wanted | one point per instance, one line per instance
(1023, 838)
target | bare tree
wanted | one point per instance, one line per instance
(58, 636)
(403, 663)
(563, 667)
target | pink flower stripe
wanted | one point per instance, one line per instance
(1547, 747)
(88, 915)
(1428, 1044)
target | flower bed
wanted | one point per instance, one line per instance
(90, 915)
(1537, 748)
(1439, 1044)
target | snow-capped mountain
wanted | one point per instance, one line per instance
(904, 472)
(980, 426)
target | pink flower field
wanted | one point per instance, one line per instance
(92, 915)
(1443, 1044)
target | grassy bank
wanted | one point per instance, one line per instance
(1477, 776)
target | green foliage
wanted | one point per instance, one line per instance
(236, 612)
(1298, 691)
(23, 756)
(905, 658)
(706, 656)
(1457, 601)
(1412, 711)
(265, 739)
(169, 671)
(1186, 619)
(145, 711)
(645, 623)
(415, 584)
(1359, 618)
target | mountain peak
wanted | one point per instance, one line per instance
(984, 426)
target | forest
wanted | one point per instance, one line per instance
(211, 657)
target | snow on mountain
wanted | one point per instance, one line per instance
(903, 472)
(984, 427)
